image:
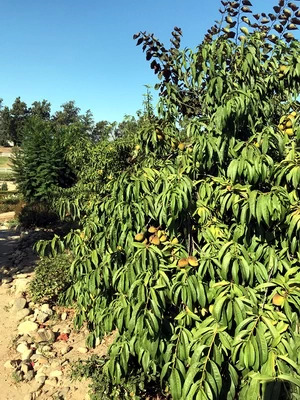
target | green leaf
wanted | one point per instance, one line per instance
(175, 384)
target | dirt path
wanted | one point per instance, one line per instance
(9, 389)
(10, 274)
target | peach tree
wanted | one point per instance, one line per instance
(191, 251)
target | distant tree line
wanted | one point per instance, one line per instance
(13, 121)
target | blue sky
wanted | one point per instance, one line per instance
(82, 50)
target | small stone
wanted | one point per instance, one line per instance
(27, 354)
(40, 378)
(55, 328)
(43, 370)
(55, 364)
(65, 349)
(25, 339)
(41, 317)
(65, 363)
(39, 359)
(29, 376)
(22, 314)
(46, 348)
(20, 285)
(22, 347)
(19, 304)
(45, 308)
(25, 368)
(66, 330)
(45, 335)
(27, 327)
(82, 350)
(64, 316)
(51, 382)
(55, 374)
(9, 365)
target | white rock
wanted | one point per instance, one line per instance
(22, 347)
(42, 317)
(65, 349)
(22, 314)
(66, 330)
(46, 309)
(19, 304)
(64, 316)
(25, 368)
(55, 364)
(82, 350)
(27, 327)
(55, 374)
(42, 370)
(27, 354)
(51, 382)
(40, 378)
(20, 285)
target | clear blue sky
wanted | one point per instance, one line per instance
(82, 50)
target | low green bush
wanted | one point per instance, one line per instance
(52, 278)
(137, 386)
(37, 215)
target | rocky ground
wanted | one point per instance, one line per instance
(37, 342)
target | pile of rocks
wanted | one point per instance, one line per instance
(42, 345)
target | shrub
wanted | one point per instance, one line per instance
(192, 251)
(36, 215)
(52, 278)
(39, 165)
(137, 385)
(4, 187)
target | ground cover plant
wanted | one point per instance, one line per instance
(189, 245)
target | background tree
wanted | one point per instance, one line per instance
(69, 114)
(4, 126)
(41, 109)
(40, 164)
(19, 114)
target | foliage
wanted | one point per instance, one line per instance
(191, 251)
(8, 202)
(40, 164)
(135, 386)
(4, 187)
(36, 215)
(51, 279)
(6, 176)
